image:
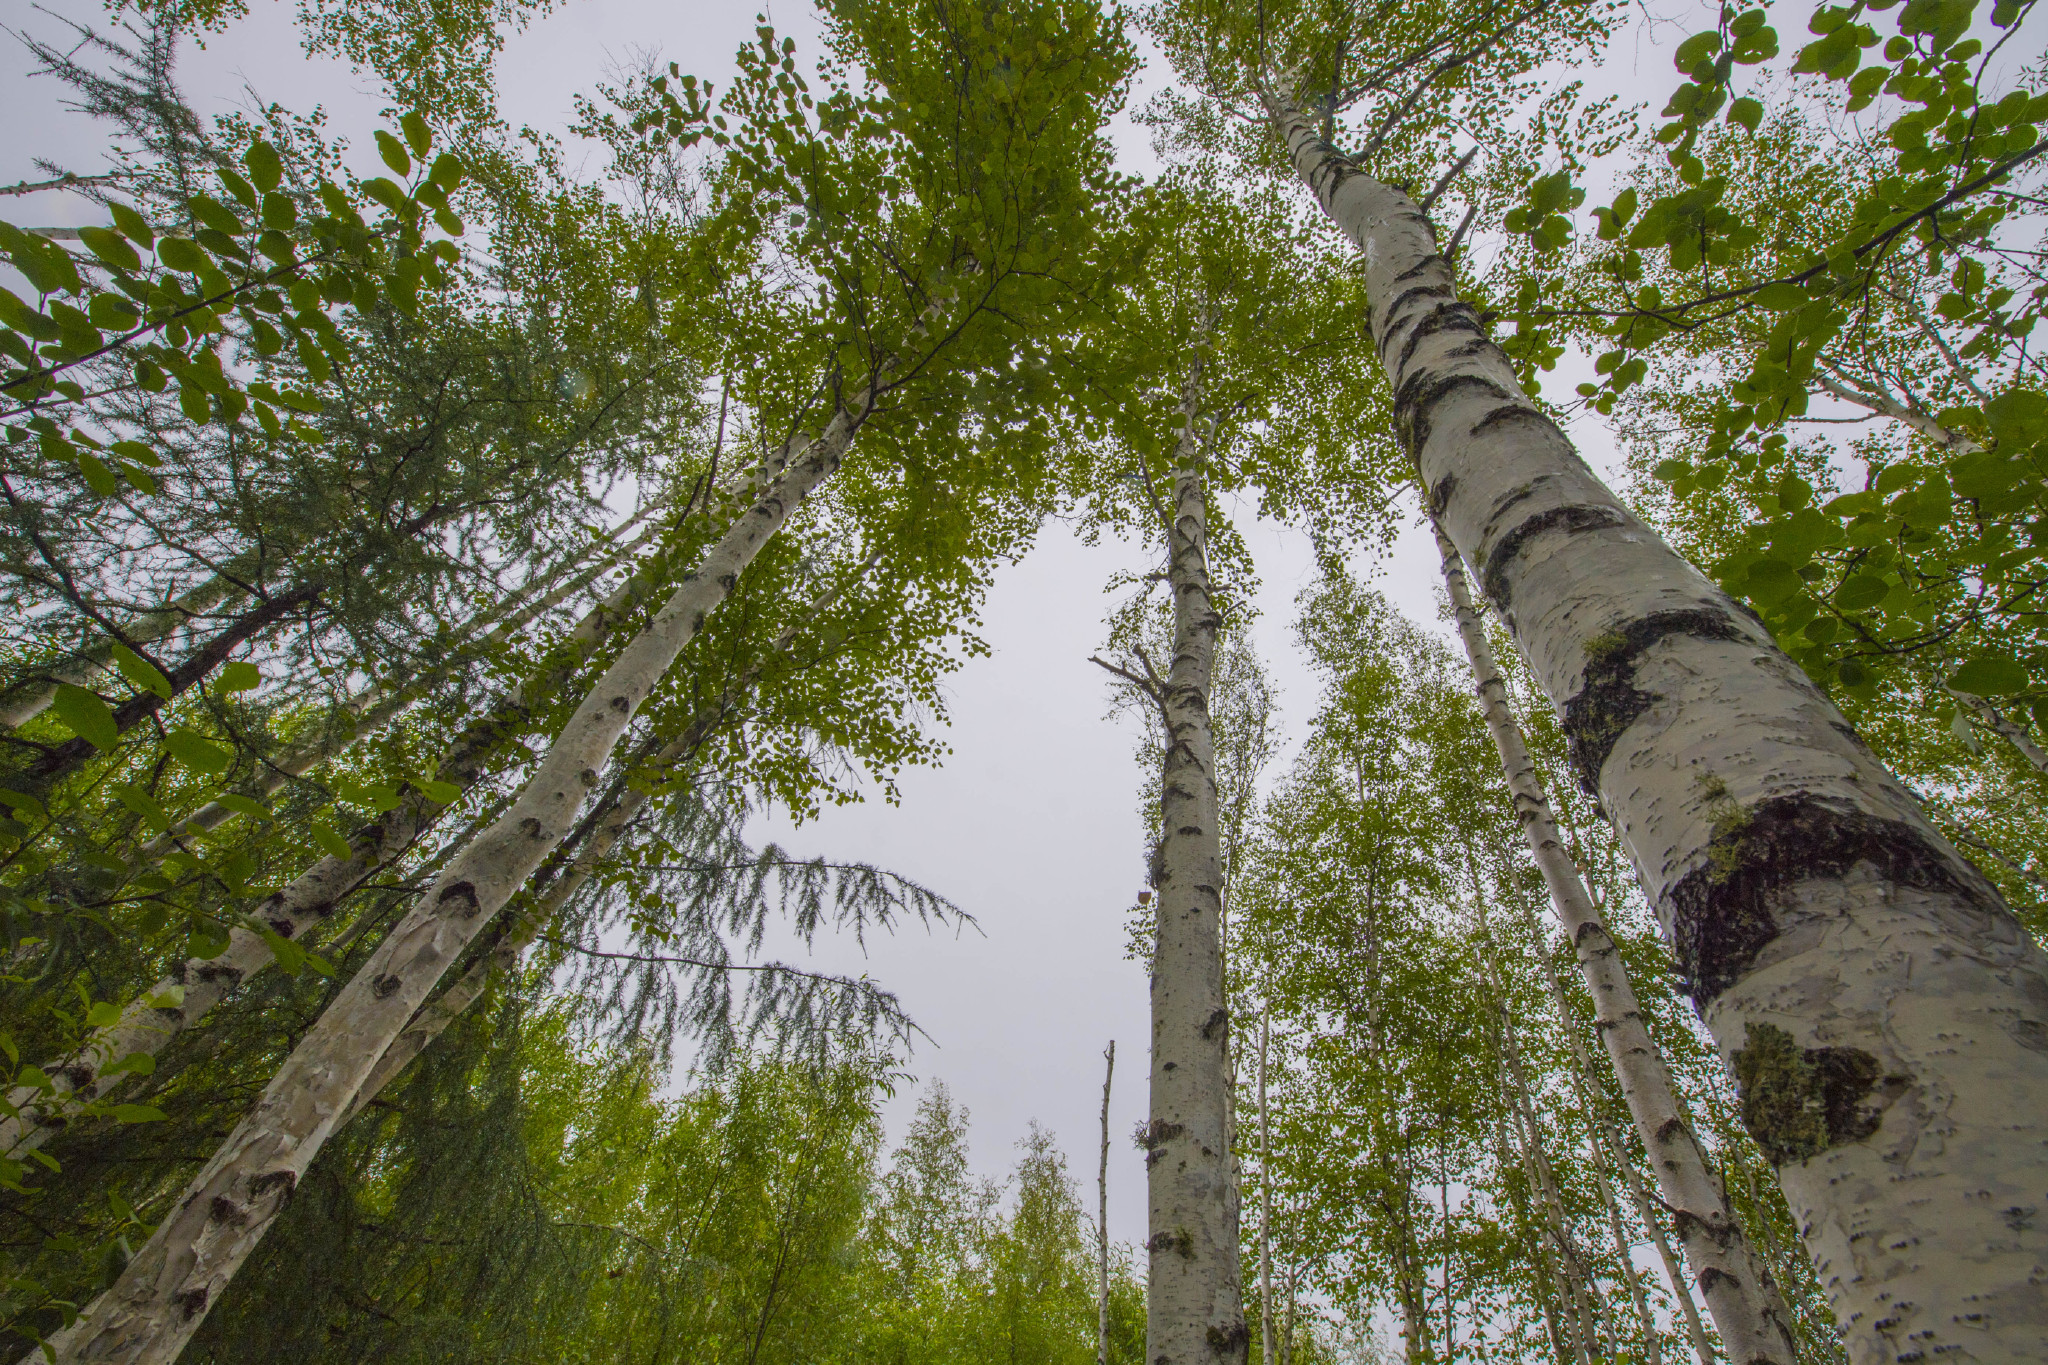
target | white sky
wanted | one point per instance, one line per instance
(1032, 824)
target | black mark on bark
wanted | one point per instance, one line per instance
(1609, 703)
(1722, 913)
(1571, 520)
(1798, 1102)
(1419, 394)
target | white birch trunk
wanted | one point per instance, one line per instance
(1102, 1216)
(180, 1000)
(1736, 1287)
(1884, 1012)
(624, 804)
(1194, 1311)
(1265, 1198)
(159, 1300)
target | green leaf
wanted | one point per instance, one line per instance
(111, 247)
(105, 1014)
(447, 171)
(86, 716)
(140, 672)
(443, 792)
(98, 477)
(238, 676)
(1990, 675)
(144, 805)
(27, 807)
(330, 842)
(392, 152)
(1860, 592)
(196, 752)
(417, 135)
(1772, 581)
(138, 1113)
(133, 225)
(183, 255)
(1747, 112)
(244, 805)
(265, 167)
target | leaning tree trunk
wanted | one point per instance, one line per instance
(1194, 1311)
(606, 824)
(156, 1305)
(1737, 1286)
(1884, 1013)
(195, 985)
(90, 661)
(1102, 1216)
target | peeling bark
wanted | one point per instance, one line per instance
(159, 1300)
(1194, 1311)
(1800, 883)
(1737, 1287)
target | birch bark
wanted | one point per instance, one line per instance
(606, 824)
(1884, 1012)
(1736, 1287)
(1194, 1311)
(1265, 1198)
(193, 987)
(159, 1300)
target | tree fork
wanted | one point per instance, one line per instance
(1883, 1010)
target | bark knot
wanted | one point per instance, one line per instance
(1798, 1102)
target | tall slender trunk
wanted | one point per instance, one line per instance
(1102, 1216)
(1543, 1272)
(189, 993)
(1739, 1291)
(1884, 1012)
(629, 794)
(86, 665)
(1194, 1311)
(1574, 1273)
(159, 1300)
(1265, 1197)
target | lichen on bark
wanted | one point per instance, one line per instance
(1798, 1102)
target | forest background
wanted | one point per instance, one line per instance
(1023, 1007)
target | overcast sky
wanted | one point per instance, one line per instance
(1032, 823)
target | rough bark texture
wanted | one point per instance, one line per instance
(1883, 1010)
(1194, 1311)
(159, 1300)
(196, 985)
(1744, 1305)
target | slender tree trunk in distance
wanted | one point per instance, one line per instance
(1738, 1290)
(1194, 1311)
(1265, 1198)
(177, 1002)
(89, 663)
(1102, 1216)
(159, 1300)
(2014, 733)
(1884, 1012)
